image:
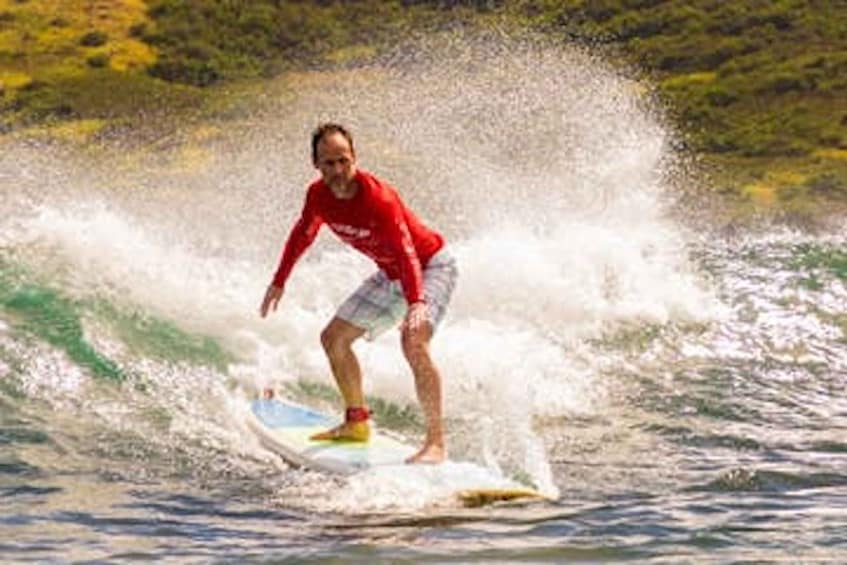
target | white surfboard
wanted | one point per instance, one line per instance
(285, 427)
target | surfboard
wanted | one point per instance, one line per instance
(284, 427)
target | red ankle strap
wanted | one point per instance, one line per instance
(357, 414)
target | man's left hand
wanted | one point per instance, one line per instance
(416, 317)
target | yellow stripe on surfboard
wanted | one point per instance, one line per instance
(477, 497)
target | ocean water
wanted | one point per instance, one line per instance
(677, 390)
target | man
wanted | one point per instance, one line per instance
(414, 282)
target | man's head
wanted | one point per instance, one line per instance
(334, 156)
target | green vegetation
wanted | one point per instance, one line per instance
(201, 42)
(759, 87)
(115, 63)
(74, 61)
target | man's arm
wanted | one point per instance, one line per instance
(299, 239)
(399, 239)
(411, 274)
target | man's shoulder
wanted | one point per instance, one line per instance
(376, 187)
(372, 179)
(315, 191)
(315, 186)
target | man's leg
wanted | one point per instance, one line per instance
(428, 387)
(337, 340)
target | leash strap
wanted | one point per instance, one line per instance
(357, 414)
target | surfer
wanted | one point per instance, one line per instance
(412, 286)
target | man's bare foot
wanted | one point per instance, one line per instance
(430, 453)
(348, 431)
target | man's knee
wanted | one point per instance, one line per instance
(328, 338)
(332, 340)
(415, 344)
(338, 336)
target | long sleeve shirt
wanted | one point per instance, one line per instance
(376, 222)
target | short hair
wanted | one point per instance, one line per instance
(326, 129)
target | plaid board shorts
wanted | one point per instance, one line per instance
(379, 304)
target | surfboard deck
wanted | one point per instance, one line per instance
(284, 427)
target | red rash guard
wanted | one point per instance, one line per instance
(376, 222)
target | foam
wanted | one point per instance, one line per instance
(545, 169)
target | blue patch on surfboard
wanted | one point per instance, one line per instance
(275, 414)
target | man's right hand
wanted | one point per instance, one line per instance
(271, 300)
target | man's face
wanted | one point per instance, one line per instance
(337, 164)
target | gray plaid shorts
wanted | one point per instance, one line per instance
(379, 304)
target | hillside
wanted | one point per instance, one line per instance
(71, 59)
(759, 88)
